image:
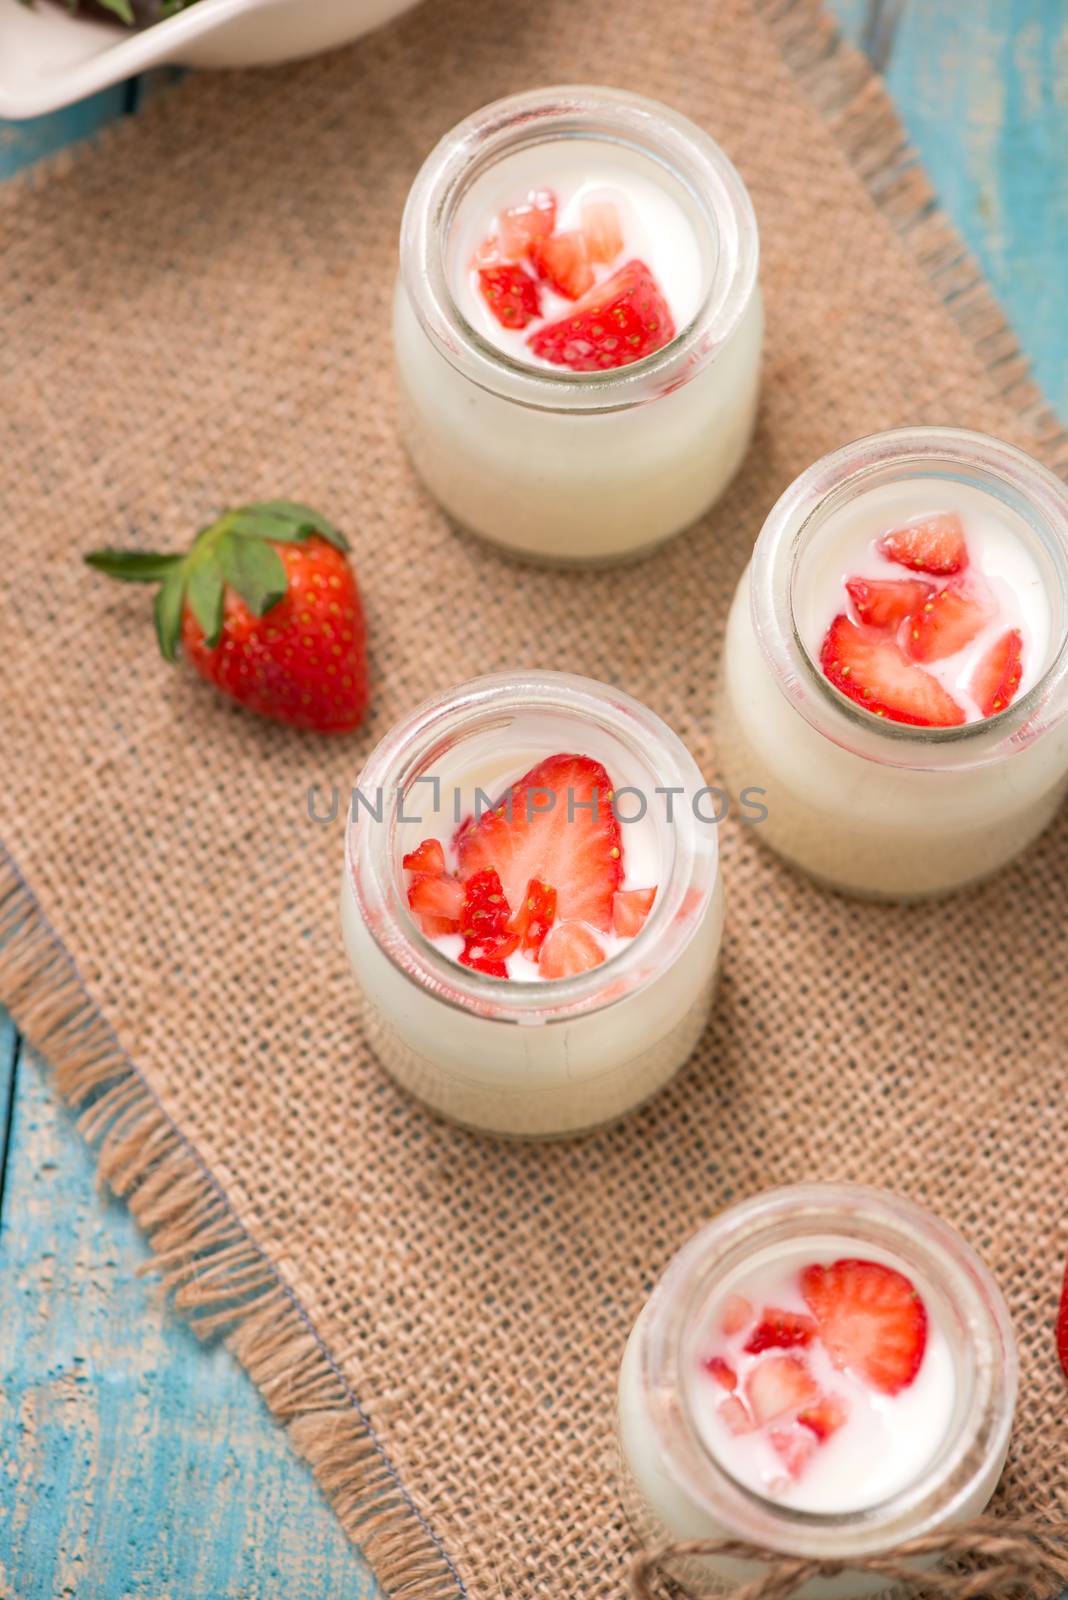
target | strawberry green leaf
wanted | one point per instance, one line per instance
(168, 612)
(132, 566)
(285, 520)
(204, 592)
(255, 570)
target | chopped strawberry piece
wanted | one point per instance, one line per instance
(536, 914)
(997, 677)
(604, 234)
(794, 1448)
(484, 919)
(523, 226)
(777, 1385)
(488, 254)
(950, 619)
(630, 907)
(1062, 1326)
(511, 294)
(734, 1414)
(873, 670)
(737, 1314)
(886, 602)
(722, 1371)
(621, 320)
(570, 947)
(828, 1414)
(871, 1320)
(561, 260)
(780, 1330)
(426, 857)
(437, 901)
(555, 824)
(931, 544)
(491, 965)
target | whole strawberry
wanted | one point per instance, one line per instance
(266, 608)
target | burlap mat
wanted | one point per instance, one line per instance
(197, 312)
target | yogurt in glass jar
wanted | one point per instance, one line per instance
(895, 673)
(532, 903)
(826, 1371)
(577, 323)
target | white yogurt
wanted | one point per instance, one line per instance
(862, 804)
(999, 556)
(563, 466)
(886, 1442)
(655, 228)
(545, 1057)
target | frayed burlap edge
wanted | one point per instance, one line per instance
(215, 1272)
(206, 1261)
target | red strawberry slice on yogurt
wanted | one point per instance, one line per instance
(555, 825)
(780, 1330)
(886, 602)
(997, 677)
(521, 227)
(562, 260)
(630, 909)
(871, 668)
(602, 230)
(511, 294)
(929, 544)
(779, 1385)
(871, 1320)
(570, 948)
(950, 619)
(621, 320)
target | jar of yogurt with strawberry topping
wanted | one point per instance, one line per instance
(823, 1371)
(895, 673)
(577, 323)
(532, 903)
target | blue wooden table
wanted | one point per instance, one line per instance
(133, 1461)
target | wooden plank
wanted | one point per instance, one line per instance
(137, 1462)
(980, 89)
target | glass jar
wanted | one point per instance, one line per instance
(675, 1487)
(863, 804)
(569, 466)
(532, 1057)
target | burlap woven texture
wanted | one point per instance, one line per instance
(197, 313)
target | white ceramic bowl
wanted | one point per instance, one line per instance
(49, 58)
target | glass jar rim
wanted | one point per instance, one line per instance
(657, 132)
(370, 869)
(994, 465)
(945, 1485)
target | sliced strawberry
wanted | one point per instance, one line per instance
(630, 907)
(570, 947)
(438, 902)
(602, 230)
(523, 226)
(950, 619)
(488, 254)
(621, 320)
(828, 1414)
(780, 1330)
(886, 602)
(561, 259)
(997, 677)
(777, 1385)
(722, 1371)
(793, 1447)
(737, 1314)
(536, 915)
(930, 544)
(426, 857)
(873, 670)
(511, 294)
(871, 1320)
(734, 1414)
(484, 919)
(555, 824)
(1062, 1326)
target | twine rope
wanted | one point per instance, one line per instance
(1027, 1559)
